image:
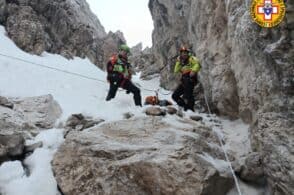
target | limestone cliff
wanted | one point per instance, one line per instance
(67, 27)
(247, 71)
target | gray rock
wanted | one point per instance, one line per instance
(140, 156)
(196, 118)
(272, 137)
(29, 34)
(65, 27)
(80, 122)
(243, 66)
(11, 146)
(5, 102)
(12, 121)
(42, 111)
(2, 11)
(144, 62)
(29, 116)
(136, 50)
(155, 111)
(252, 170)
(171, 110)
(128, 115)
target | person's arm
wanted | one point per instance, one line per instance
(195, 65)
(110, 64)
(177, 67)
(109, 67)
(131, 72)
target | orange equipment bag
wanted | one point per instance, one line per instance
(153, 100)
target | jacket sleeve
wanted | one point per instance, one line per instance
(195, 65)
(177, 67)
(109, 67)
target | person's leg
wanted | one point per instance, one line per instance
(115, 80)
(176, 96)
(112, 91)
(189, 96)
(129, 86)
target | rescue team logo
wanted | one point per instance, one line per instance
(267, 13)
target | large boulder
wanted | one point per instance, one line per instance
(142, 156)
(11, 146)
(23, 118)
(41, 111)
(80, 122)
(29, 115)
(252, 169)
(5, 102)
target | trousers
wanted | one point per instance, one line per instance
(183, 94)
(127, 85)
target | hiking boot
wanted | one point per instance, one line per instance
(108, 98)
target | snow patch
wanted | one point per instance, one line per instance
(13, 180)
(220, 165)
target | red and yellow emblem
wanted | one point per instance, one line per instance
(268, 13)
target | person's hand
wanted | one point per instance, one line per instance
(192, 74)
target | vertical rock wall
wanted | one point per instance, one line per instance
(247, 71)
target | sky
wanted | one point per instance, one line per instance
(132, 17)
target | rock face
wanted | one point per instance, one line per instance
(11, 146)
(141, 156)
(22, 118)
(41, 111)
(247, 71)
(2, 10)
(65, 27)
(80, 122)
(244, 66)
(252, 170)
(273, 137)
(5, 102)
(29, 113)
(144, 62)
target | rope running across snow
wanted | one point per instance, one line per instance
(71, 73)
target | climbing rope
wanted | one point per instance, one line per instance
(224, 150)
(73, 73)
(49, 67)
